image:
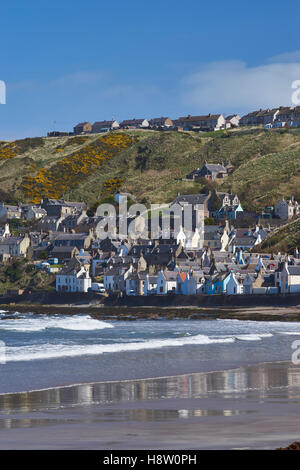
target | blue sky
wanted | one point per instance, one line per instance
(69, 61)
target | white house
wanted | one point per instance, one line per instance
(150, 286)
(115, 278)
(195, 239)
(287, 209)
(134, 123)
(5, 233)
(290, 279)
(225, 239)
(181, 237)
(232, 120)
(111, 279)
(35, 212)
(166, 282)
(233, 285)
(73, 278)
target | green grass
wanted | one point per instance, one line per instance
(266, 164)
(284, 239)
(20, 274)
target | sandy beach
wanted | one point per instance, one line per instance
(255, 407)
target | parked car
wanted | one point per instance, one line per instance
(98, 287)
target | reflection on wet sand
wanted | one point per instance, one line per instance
(253, 407)
(262, 380)
(117, 416)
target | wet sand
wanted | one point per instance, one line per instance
(255, 407)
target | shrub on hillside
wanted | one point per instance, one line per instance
(69, 172)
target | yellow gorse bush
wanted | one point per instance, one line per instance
(7, 150)
(18, 147)
(70, 171)
(112, 185)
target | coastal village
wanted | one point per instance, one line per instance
(219, 256)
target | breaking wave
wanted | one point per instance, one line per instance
(27, 324)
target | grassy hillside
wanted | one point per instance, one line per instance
(23, 275)
(284, 239)
(151, 165)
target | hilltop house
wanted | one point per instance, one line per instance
(209, 171)
(296, 117)
(104, 126)
(162, 122)
(260, 117)
(232, 120)
(209, 122)
(82, 128)
(134, 124)
(284, 116)
(249, 119)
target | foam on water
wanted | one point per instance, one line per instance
(51, 351)
(253, 337)
(35, 323)
(290, 333)
(58, 336)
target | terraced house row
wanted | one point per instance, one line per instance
(283, 116)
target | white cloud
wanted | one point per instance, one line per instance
(287, 57)
(232, 85)
(80, 78)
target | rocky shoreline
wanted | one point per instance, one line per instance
(241, 307)
(294, 446)
(103, 312)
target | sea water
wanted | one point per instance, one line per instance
(44, 351)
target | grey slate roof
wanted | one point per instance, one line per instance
(72, 267)
(190, 199)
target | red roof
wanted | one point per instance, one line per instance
(182, 276)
